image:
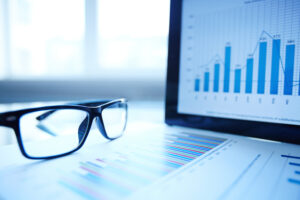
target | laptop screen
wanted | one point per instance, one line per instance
(240, 59)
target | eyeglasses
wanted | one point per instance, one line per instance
(54, 131)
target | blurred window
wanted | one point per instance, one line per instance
(55, 39)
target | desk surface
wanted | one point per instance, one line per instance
(155, 161)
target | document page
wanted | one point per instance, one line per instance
(161, 163)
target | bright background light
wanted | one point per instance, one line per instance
(47, 39)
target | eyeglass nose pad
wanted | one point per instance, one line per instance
(101, 127)
(82, 129)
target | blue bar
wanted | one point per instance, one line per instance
(249, 75)
(120, 173)
(186, 139)
(262, 67)
(275, 66)
(192, 145)
(237, 80)
(297, 172)
(107, 184)
(216, 77)
(294, 181)
(289, 69)
(77, 190)
(288, 156)
(197, 85)
(227, 68)
(294, 164)
(184, 151)
(179, 158)
(206, 81)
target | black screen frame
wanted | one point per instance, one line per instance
(264, 130)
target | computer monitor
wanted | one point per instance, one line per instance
(234, 66)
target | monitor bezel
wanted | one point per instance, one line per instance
(264, 130)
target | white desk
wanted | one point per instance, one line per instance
(144, 165)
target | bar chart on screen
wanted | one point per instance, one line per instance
(288, 82)
(246, 55)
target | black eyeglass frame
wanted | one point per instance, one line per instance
(94, 110)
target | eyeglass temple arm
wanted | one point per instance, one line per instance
(91, 103)
(88, 103)
(2, 120)
(7, 119)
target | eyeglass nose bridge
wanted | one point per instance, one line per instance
(101, 127)
(85, 127)
(96, 110)
(98, 119)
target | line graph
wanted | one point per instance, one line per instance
(276, 65)
(241, 59)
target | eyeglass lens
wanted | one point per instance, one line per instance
(58, 131)
(114, 119)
